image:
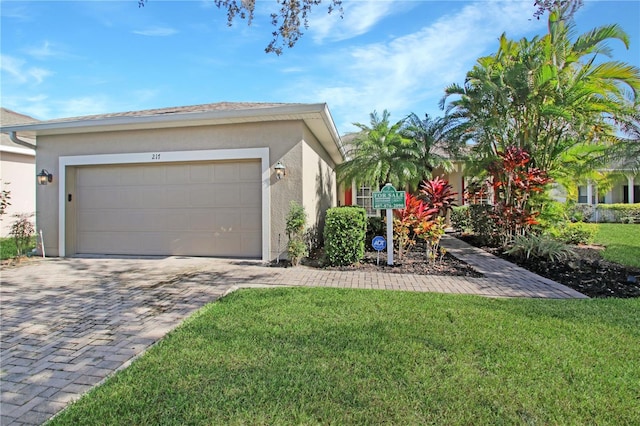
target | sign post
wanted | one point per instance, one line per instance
(388, 198)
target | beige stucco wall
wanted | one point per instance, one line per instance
(456, 178)
(287, 142)
(18, 175)
(319, 183)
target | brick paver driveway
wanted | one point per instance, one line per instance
(66, 324)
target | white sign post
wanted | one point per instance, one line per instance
(388, 198)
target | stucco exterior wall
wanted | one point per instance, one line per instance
(18, 175)
(319, 190)
(456, 178)
(285, 140)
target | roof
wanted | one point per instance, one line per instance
(10, 118)
(316, 116)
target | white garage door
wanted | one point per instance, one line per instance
(189, 209)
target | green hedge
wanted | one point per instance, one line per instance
(619, 213)
(344, 235)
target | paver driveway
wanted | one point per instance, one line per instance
(69, 323)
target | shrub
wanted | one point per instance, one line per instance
(580, 212)
(461, 219)
(295, 223)
(619, 213)
(552, 213)
(576, 233)
(22, 231)
(344, 235)
(532, 246)
(483, 223)
(375, 227)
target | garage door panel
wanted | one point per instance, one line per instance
(249, 193)
(128, 176)
(176, 197)
(199, 174)
(99, 199)
(227, 172)
(177, 175)
(170, 209)
(251, 220)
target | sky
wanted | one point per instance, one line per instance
(74, 58)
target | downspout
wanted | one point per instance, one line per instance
(14, 138)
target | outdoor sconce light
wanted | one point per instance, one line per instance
(280, 169)
(44, 177)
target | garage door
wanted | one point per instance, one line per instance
(189, 209)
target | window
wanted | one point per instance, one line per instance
(364, 198)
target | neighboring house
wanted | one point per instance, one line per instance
(625, 188)
(194, 181)
(17, 171)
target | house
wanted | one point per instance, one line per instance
(624, 188)
(203, 180)
(17, 170)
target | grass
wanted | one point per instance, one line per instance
(331, 356)
(621, 241)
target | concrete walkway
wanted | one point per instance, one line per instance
(67, 324)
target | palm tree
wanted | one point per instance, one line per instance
(545, 95)
(428, 137)
(380, 153)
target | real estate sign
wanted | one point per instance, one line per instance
(389, 198)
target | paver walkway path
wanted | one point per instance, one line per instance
(66, 324)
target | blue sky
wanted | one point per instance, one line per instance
(64, 59)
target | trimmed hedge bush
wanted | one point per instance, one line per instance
(576, 233)
(619, 213)
(344, 235)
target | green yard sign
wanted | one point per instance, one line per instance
(389, 198)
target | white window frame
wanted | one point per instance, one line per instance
(355, 190)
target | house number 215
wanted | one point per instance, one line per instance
(155, 156)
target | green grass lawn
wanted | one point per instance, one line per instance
(622, 242)
(329, 356)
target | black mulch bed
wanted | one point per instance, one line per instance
(413, 263)
(586, 272)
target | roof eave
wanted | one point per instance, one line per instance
(309, 113)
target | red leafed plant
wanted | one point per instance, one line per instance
(513, 183)
(438, 193)
(409, 219)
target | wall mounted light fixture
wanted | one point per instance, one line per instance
(281, 170)
(44, 177)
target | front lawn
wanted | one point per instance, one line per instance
(622, 242)
(330, 356)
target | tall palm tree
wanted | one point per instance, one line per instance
(428, 137)
(546, 95)
(379, 154)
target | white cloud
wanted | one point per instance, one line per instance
(20, 73)
(409, 73)
(44, 51)
(156, 32)
(358, 18)
(86, 105)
